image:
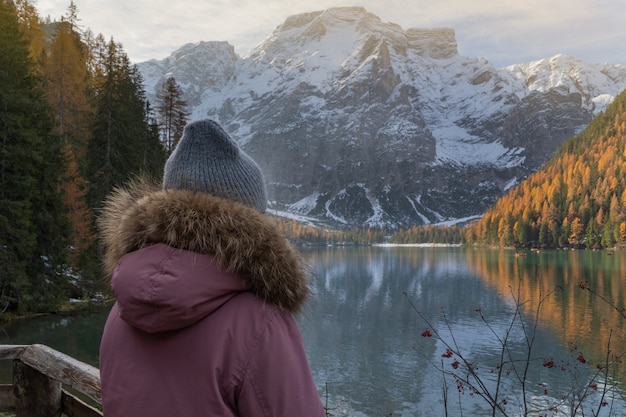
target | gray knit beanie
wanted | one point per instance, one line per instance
(207, 160)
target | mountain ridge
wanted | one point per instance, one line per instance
(359, 122)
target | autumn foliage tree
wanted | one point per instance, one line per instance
(577, 200)
(33, 31)
(67, 84)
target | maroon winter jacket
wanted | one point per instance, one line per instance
(203, 324)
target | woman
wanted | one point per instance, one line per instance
(206, 290)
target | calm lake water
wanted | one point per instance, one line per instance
(378, 330)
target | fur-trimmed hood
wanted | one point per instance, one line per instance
(240, 239)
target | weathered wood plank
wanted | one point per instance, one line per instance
(7, 398)
(11, 351)
(75, 407)
(36, 394)
(78, 375)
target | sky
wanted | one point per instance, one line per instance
(505, 32)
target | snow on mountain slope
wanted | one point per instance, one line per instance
(198, 68)
(598, 84)
(362, 122)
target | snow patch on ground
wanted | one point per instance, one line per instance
(463, 220)
(309, 221)
(511, 184)
(305, 205)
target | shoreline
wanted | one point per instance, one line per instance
(418, 245)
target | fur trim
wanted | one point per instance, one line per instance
(240, 238)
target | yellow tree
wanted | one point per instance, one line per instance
(622, 233)
(576, 232)
(67, 84)
(80, 216)
(504, 232)
(33, 30)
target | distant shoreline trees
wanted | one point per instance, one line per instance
(304, 234)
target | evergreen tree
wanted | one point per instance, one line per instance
(173, 113)
(154, 153)
(32, 225)
(123, 144)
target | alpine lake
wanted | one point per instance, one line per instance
(441, 331)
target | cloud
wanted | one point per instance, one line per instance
(503, 31)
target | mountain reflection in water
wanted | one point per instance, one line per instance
(365, 340)
(365, 343)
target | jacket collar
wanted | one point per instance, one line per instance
(241, 239)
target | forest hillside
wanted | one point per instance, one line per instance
(577, 200)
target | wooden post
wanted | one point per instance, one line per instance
(80, 376)
(40, 375)
(36, 395)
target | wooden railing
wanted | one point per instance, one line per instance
(47, 383)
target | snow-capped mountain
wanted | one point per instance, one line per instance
(356, 121)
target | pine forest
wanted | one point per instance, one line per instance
(74, 124)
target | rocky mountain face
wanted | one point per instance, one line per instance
(359, 122)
